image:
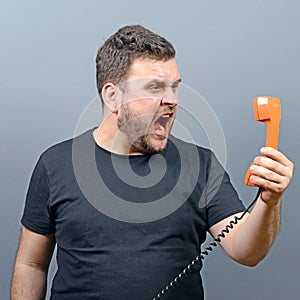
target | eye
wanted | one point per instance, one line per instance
(175, 87)
(155, 88)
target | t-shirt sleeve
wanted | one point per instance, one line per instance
(222, 199)
(36, 215)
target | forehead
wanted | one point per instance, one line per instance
(150, 68)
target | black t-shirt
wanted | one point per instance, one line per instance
(119, 236)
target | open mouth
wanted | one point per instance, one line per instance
(162, 124)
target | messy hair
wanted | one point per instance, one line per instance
(118, 52)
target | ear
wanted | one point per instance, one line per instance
(110, 96)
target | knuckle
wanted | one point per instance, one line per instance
(268, 185)
(270, 175)
(280, 188)
(289, 174)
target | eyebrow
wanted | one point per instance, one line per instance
(163, 81)
(177, 81)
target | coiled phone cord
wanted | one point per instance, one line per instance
(192, 267)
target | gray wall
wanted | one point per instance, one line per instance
(228, 51)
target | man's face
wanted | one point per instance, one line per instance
(149, 103)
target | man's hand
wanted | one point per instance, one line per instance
(250, 240)
(272, 172)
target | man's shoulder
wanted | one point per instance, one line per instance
(63, 149)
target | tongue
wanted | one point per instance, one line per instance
(159, 128)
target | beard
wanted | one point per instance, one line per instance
(138, 130)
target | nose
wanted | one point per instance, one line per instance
(170, 97)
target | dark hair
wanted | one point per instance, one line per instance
(118, 52)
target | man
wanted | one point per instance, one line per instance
(106, 252)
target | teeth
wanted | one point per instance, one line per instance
(165, 116)
(161, 128)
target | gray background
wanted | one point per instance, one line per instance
(228, 51)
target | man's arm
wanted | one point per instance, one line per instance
(31, 266)
(250, 240)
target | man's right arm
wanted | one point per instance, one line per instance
(31, 266)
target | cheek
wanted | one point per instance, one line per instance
(145, 107)
(136, 115)
(142, 109)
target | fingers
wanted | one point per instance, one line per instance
(270, 165)
(266, 174)
(273, 171)
(275, 161)
(268, 180)
(276, 155)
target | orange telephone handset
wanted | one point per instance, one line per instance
(267, 109)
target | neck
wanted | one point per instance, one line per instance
(109, 137)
